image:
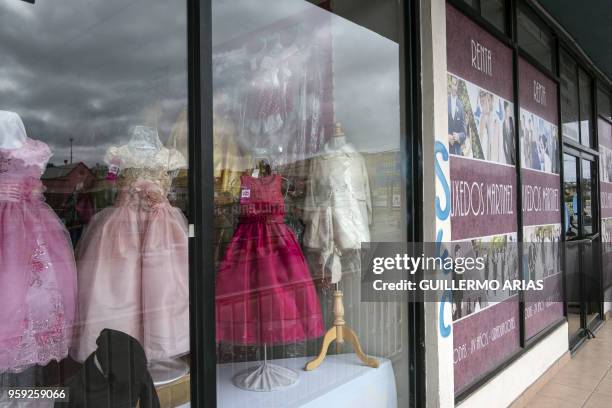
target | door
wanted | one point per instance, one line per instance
(581, 234)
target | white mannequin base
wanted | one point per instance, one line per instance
(167, 371)
(265, 377)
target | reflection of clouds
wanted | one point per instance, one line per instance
(366, 66)
(366, 86)
(90, 70)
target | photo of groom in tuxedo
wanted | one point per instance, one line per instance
(456, 120)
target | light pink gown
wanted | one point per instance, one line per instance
(133, 261)
(37, 269)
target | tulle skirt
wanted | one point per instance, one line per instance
(264, 290)
(133, 277)
(37, 284)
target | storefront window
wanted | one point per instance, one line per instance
(94, 292)
(586, 108)
(569, 97)
(308, 166)
(535, 38)
(494, 12)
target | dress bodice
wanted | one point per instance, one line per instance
(144, 172)
(261, 199)
(21, 169)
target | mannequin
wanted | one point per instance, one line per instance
(12, 130)
(133, 259)
(337, 208)
(338, 140)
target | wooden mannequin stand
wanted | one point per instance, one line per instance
(340, 332)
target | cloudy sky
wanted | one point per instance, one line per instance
(91, 69)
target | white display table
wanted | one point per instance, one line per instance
(340, 381)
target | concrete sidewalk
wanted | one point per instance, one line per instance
(585, 381)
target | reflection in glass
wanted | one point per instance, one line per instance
(604, 103)
(586, 108)
(102, 87)
(570, 196)
(586, 188)
(569, 97)
(494, 12)
(535, 39)
(307, 166)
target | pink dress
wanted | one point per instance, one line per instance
(133, 260)
(37, 269)
(264, 291)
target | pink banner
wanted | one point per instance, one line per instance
(483, 340)
(606, 199)
(544, 308)
(541, 198)
(477, 56)
(483, 198)
(538, 93)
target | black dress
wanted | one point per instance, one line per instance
(122, 379)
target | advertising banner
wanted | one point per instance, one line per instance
(541, 195)
(481, 142)
(604, 129)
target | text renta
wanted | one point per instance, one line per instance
(481, 58)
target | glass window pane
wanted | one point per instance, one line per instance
(586, 190)
(586, 108)
(307, 166)
(535, 39)
(494, 12)
(570, 196)
(604, 103)
(93, 199)
(569, 97)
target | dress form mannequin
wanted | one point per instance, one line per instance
(145, 140)
(338, 139)
(12, 130)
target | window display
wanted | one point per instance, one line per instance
(123, 248)
(307, 167)
(94, 262)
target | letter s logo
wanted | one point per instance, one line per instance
(442, 214)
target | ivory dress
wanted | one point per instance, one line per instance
(37, 270)
(133, 258)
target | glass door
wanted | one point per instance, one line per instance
(581, 233)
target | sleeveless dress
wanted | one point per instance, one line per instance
(133, 260)
(37, 269)
(264, 290)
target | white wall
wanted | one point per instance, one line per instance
(439, 348)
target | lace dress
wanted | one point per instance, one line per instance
(37, 270)
(133, 259)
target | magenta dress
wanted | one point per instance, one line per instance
(264, 291)
(37, 268)
(133, 260)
